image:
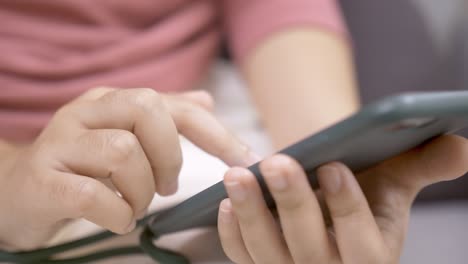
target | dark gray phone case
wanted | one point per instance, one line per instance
(379, 131)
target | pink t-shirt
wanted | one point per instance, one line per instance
(52, 51)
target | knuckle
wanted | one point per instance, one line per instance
(187, 109)
(100, 90)
(64, 111)
(208, 100)
(146, 99)
(122, 145)
(185, 114)
(66, 115)
(226, 146)
(96, 92)
(201, 98)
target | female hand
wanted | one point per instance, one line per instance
(363, 219)
(129, 138)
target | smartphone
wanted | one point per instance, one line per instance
(377, 132)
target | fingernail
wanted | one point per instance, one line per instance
(276, 180)
(225, 211)
(234, 187)
(330, 179)
(131, 227)
(273, 173)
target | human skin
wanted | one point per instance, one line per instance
(360, 218)
(128, 137)
(302, 80)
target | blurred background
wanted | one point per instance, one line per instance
(399, 45)
(403, 45)
(418, 45)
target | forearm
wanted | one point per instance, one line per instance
(302, 81)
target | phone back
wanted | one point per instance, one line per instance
(379, 131)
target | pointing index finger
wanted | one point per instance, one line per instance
(203, 129)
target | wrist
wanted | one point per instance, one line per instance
(11, 225)
(8, 153)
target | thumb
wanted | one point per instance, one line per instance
(442, 159)
(392, 185)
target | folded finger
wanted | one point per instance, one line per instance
(142, 112)
(115, 154)
(85, 197)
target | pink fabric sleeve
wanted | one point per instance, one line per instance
(248, 22)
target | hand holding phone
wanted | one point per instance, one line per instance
(354, 217)
(364, 215)
(378, 132)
